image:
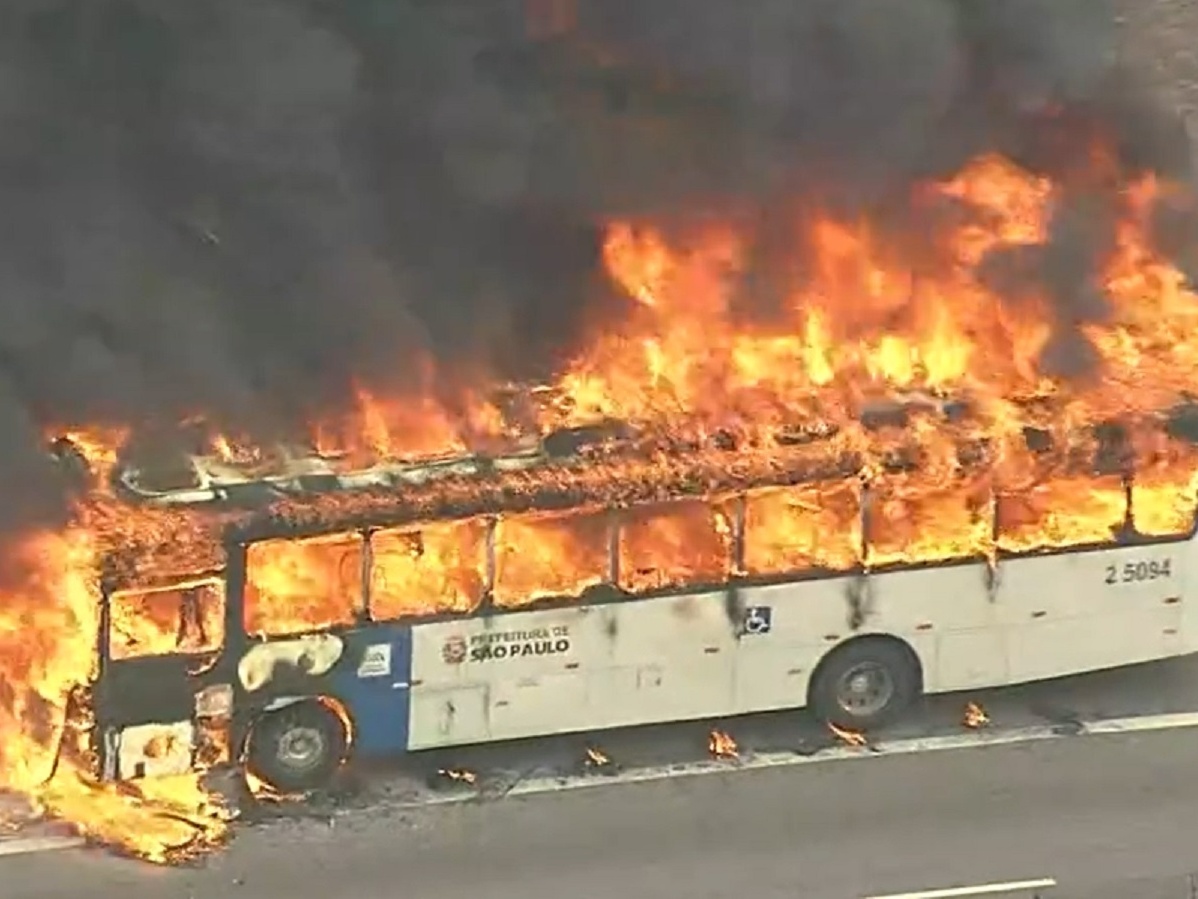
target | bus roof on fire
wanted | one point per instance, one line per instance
(217, 497)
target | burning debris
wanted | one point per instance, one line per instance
(594, 759)
(722, 746)
(260, 791)
(849, 737)
(457, 777)
(928, 346)
(975, 717)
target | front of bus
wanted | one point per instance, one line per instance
(163, 701)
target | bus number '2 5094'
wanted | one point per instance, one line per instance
(1134, 572)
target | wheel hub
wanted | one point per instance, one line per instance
(301, 747)
(865, 689)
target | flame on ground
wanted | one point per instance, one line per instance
(975, 717)
(458, 776)
(263, 792)
(721, 745)
(596, 758)
(848, 737)
(48, 630)
(870, 326)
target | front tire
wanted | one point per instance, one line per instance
(865, 684)
(297, 748)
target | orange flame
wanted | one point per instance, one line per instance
(874, 326)
(459, 775)
(975, 717)
(48, 638)
(721, 745)
(596, 758)
(848, 737)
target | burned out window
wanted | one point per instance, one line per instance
(675, 544)
(793, 529)
(299, 586)
(539, 556)
(436, 569)
(1058, 511)
(910, 519)
(182, 619)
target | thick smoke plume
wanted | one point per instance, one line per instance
(242, 206)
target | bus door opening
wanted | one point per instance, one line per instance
(159, 707)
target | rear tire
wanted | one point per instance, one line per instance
(865, 684)
(297, 748)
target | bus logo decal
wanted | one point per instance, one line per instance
(758, 620)
(376, 661)
(453, 651)
(539, 641)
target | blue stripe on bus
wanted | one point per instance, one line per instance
(378, 700)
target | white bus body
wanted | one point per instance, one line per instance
(738, 650)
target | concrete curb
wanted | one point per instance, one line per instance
(971, 740)
(27, 845)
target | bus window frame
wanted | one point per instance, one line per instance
(486, 605)
(812, 572)
(733, 503)
(482, 607)
(608, 586)
(238, 615)
(233, 574)
(111, 595)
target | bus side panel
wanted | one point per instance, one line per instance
(373, 680)
(682, 650)
(573, 669)
(946, 615)
(449, 696)
(501, 676)
(1086, 611)
(1189, 595)
(788, 629)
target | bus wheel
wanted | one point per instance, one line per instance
(298, 747)
(865, 683)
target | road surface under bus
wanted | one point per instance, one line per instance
(1102, 817)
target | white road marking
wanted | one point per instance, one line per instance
(1145, 723)
(970, 740)
(985, 889)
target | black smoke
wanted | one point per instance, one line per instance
(245, 206)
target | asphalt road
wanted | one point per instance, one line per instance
(1106, 816)
(1153, 689)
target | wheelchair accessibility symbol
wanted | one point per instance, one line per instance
(758, 620)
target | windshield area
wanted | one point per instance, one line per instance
(181, 619)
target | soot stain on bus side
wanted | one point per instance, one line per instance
(734, 608)
(859, 597)
(685, 607)
(611, 626)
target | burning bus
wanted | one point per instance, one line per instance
(597, 579)
(865, 373)
(885, 493)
